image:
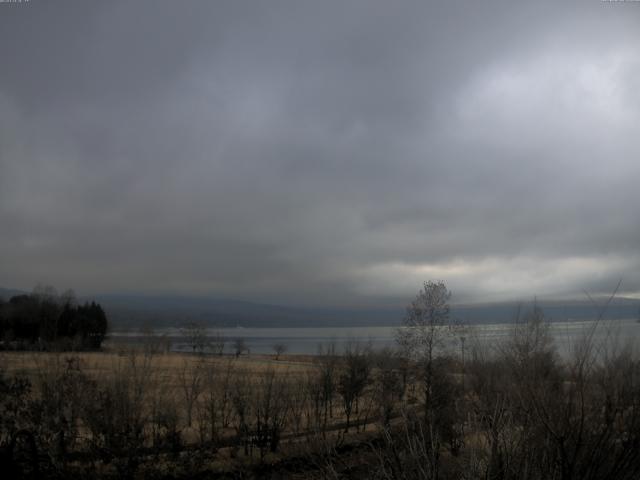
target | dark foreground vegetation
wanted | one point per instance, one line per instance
(509, 411)
(44, 320)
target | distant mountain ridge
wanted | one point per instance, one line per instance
(174, 311)
(7, 293)
(134, 311)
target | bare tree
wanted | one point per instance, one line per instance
(116, 412)
(152, 342)
(327, 361)
(165, 420)
(241, 395)
(279, 349)
(388, 384)
(214, 411)
(195, 336)
(190, 377)
(300, 405)
(217, 343)
(239, 346)
(421, 336)
(353, 379)
(423, 331)
(270, 411)
(58, 406)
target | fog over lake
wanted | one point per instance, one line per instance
(566, 335)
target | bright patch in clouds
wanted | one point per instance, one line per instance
(554, 93)
(493, 279)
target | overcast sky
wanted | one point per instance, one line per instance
(320, 152)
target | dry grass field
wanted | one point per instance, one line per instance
(31, 364)
(246, 409)
(175, 376)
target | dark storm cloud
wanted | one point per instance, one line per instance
(320, 152)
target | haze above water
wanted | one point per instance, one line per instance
(566, 335)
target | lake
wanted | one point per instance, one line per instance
(306, 340)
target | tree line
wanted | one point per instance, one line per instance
(47, 320)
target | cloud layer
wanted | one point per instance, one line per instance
(320, 152)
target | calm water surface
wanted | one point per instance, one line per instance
(307, 340)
